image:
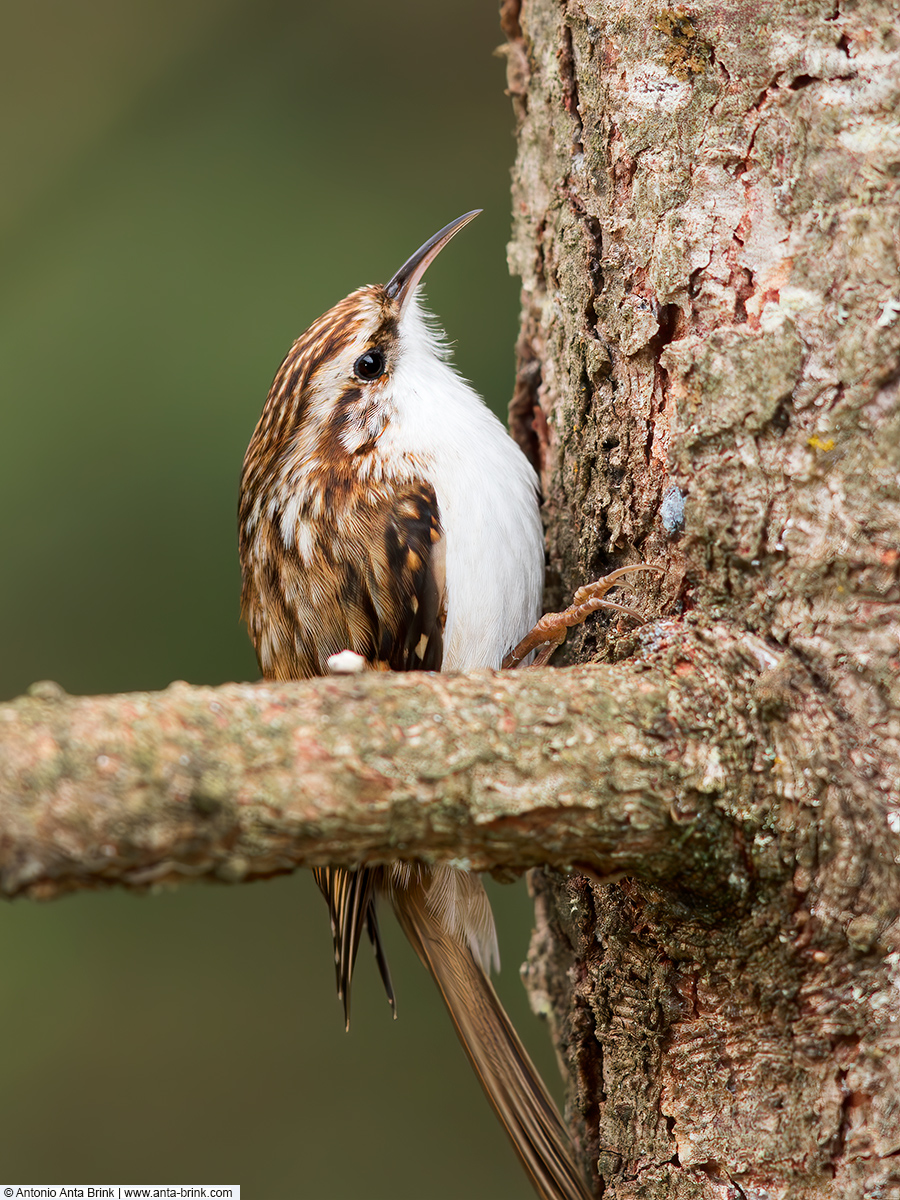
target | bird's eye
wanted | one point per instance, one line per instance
(369, 365)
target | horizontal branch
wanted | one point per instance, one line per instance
(606, 767)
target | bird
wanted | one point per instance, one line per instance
(385, 510)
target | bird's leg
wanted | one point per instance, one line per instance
(552, 628)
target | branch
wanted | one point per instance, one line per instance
(613, 769)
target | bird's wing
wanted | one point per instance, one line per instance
(350, 895)
(405, 579)
(369, 579)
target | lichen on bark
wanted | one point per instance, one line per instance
(706, 210)
(706, 215)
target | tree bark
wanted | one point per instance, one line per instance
(611, 770)
(706, 209)
(706, 215)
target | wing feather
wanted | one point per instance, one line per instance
(373, 581)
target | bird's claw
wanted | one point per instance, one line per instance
(551, 629)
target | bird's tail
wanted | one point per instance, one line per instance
(501, 1062)
(350, 895)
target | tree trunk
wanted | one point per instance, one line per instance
(706, 215)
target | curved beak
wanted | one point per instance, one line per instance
(404, 283)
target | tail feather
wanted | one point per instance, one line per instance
(380, 959)
(501, 1062)
(351, 906)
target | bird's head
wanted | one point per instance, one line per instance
(337, 389)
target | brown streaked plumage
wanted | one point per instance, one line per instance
(383, 510)
(501, 1062)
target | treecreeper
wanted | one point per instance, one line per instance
(385, 510)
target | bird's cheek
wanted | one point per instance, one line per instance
(363, 427)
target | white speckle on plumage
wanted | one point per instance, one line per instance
(346, 663)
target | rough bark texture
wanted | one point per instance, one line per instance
(706, 216)
(707, 209)
(599, 767)
(501, 769)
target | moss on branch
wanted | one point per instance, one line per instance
(621, 769)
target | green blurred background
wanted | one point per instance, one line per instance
(185, 187)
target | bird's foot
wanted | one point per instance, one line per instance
(552, 628)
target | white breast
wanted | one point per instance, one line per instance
(487, 496)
